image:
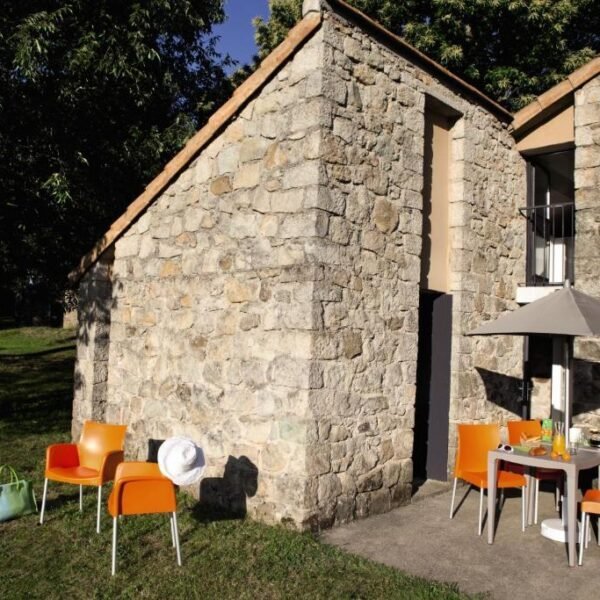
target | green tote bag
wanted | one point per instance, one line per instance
(16, 497)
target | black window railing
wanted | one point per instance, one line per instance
(550, 243)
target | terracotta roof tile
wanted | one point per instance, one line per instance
(550, 98)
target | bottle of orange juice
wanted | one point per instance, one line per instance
(558, 439)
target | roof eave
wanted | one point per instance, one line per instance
(548, 102)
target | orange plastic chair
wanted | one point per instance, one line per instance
(93, 461)
(533, 428)
(140, 488)
(474, 443)
(589, 505)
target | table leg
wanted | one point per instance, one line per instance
(571, 515)
(491, 517)
(530, 496)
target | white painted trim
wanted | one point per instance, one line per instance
(531, 293)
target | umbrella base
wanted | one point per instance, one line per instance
(555, 529)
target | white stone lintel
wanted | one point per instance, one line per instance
(527, 294)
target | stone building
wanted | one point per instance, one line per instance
(293, 289)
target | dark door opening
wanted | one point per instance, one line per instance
(430, 446)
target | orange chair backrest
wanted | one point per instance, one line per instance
(140, 488)
(474, 442)
(518, 428)
(97, 439)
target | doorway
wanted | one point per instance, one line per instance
(432, 405)
(432, 402)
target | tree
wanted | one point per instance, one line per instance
(512, 50)
(283, 15)
(94, 97)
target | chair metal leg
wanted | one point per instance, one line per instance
(80, 498)
(114, 547)
(99, 509)
(524, 506)
(177, 538)
(480, 511)
(536, 501)
(582, 536)
(172, 530)
(453, 497)
(557, 497)
(44, 501)
(585, 523)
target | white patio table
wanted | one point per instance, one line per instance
(584, 459)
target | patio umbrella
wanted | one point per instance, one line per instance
(562, 314)
(566, 312)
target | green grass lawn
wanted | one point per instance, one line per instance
(34, 340)
(65, 558)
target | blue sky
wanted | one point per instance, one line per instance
(237, 33)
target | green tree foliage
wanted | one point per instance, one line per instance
(94, 98)
(512, 50)
(283, 15)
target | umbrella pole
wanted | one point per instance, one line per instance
(569, 375)
(558, 378)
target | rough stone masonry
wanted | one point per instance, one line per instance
(587, 250)
(267, 303)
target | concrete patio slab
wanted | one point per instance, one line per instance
(421, 540)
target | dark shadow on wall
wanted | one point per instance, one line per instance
(223, 498)
(586, 386)
(502, 390)
(94, 308)
(153, 448)
(505, 391)
(95, 296)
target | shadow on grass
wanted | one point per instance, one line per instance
(38, 353)
(59, 500)
(205, 514)
(36, 392)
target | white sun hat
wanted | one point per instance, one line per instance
(181, 460)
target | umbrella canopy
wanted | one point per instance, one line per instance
(564, 312)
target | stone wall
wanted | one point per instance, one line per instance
(213, 318)
(368, 346)
(586, 402)
(541, 397)
(373, 156)
(93, 343)
(375, 164)
(267, 303)
(487, 264)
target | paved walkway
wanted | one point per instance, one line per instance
(421, 540)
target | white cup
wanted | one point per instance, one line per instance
(574, 435)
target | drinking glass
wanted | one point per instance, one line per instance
(575, 435)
